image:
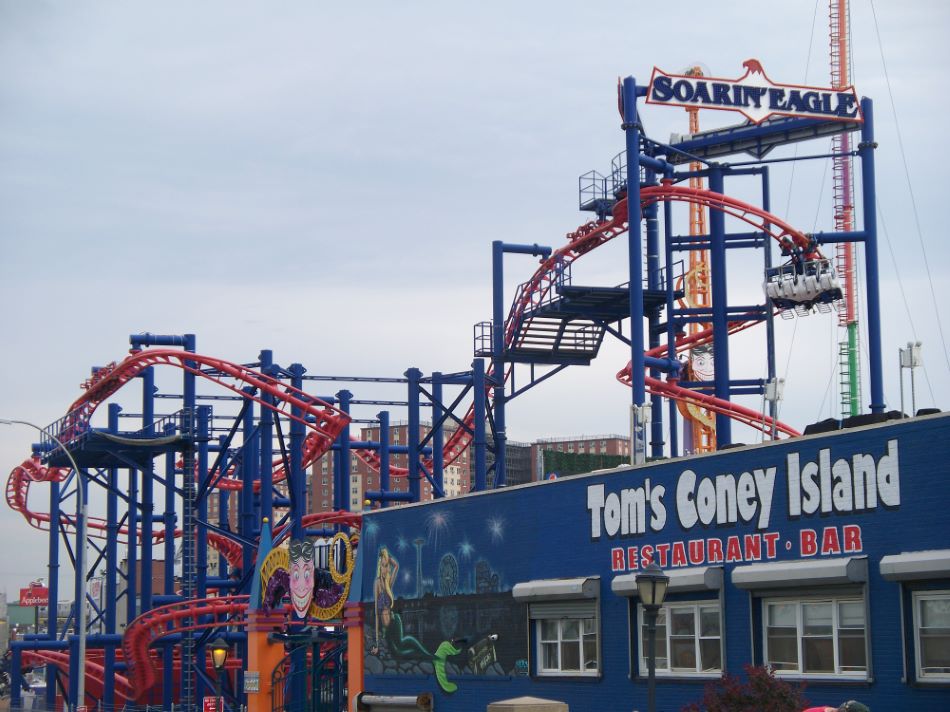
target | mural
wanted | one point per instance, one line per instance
(449, 615)
(301, 576)
(315, 592)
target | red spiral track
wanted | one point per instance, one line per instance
(328, 422)
(592, 235)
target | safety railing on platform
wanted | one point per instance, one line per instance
(595, 192)
(618, 173)
(177, 419)
(483, 339)
(69, 429)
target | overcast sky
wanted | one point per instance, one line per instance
(325, 180)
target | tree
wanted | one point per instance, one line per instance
(761, 692)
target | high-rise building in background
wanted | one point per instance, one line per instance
(524, 463)
(577, 453)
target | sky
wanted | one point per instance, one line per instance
(325, 180)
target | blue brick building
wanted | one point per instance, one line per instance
(826, 557)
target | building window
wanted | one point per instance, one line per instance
(567, 646)
(688, 639)
(932, 634)
(816, 637)
(565, 624)
(324, 481)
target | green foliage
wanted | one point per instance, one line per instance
(577, 463)
(761, 692)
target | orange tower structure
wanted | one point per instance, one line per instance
(696, 295)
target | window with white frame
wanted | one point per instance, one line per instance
(932, 635)
(821, 637)
(565, 625)
(688, 639)
(567, 646)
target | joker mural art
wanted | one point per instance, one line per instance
(318, 593)
(301, 576)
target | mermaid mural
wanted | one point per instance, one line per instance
(390, 635)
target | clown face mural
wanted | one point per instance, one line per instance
(301, 576)
(702, 363)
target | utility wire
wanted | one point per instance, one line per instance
(811, 41)
(910, 188)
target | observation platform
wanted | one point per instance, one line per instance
(569, 328)
(97, 448)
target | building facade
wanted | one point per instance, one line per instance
(457, 476)
(826, 557)
(579, 445)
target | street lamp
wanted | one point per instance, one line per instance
(651, 588)
(219, 656)
(80, 558)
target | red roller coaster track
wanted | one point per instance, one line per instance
(592, 235)
(326, 422)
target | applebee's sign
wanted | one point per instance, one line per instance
(754, 95)
(34, 596)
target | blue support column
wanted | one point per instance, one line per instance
(187, 677)
(341, 475)
(631, 127)
(16, 664)
(498, 360)
(718, 292)
(247, 521)
(266, 425)
(769, 316)
(297, 483)
(201, 534)
(438, 433)
(148, 493)
(80, 570)
(499, 399)
(875, 360)
(653, 283)
(412, 436)
(204, 436)
(168, 682)
(383, 455)
(132, 553)
(112, 562)
(224, 502)
(297, 487)
(53, 585)
(478, 443)
(670, 324)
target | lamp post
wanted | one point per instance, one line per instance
(651, 588)
(80, 559)
(219, 656)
